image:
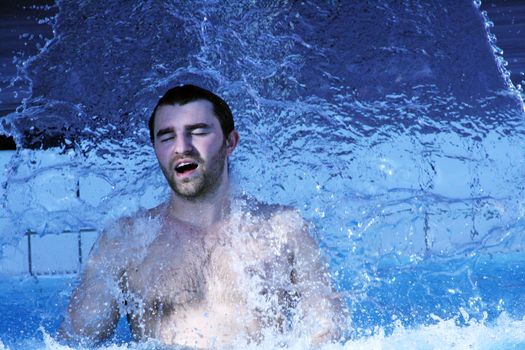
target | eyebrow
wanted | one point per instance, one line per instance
(188, 127)
(165, 131)
(197, 126)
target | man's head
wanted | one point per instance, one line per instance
(184, 94)
(192, 142)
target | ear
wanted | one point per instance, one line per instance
(232, 141)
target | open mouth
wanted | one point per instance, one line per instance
(185, 167)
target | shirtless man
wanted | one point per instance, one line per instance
(203, 269)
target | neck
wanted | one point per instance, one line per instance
(204, 211)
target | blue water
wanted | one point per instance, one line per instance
(419, 301)
(392, 126)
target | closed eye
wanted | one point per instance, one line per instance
(165, 134)
(200, 131)
(167, 138)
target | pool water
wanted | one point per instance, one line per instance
(480, 306)
(393, 127)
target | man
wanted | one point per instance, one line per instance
(203, 269)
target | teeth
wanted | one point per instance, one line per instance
(186, 166)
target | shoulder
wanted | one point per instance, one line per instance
(265, 210)
(140, 223)
(284, 220)
(130, 232)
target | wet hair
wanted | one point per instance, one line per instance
(184, 94)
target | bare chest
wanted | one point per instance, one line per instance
(172, 272)
(205, 269)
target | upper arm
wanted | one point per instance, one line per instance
(320, 306)
(312, 276)
(92, 313)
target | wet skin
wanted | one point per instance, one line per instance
(193, 137)
(203, 269)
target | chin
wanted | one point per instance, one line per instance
(188, 190)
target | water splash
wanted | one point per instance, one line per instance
(375, 120)
(443, 334)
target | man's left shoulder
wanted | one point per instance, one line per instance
(276, 214)
(289, 217)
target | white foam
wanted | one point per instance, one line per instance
(503, 333)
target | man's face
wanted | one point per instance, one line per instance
(191, 148)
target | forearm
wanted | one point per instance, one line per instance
(324, 318)
(89, 323)
(92, 313)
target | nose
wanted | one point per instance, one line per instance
(183, 144)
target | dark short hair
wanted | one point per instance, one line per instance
(184, 94)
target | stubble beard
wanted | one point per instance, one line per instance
(205, 183)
